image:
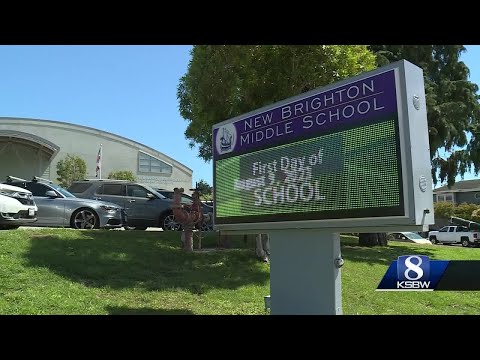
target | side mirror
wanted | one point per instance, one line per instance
(150, 196)
(51, 194)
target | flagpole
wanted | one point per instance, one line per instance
(101, 160)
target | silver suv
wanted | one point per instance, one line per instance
(143, 205)
(17, 207)
(58, 208)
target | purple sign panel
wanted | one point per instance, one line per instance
(359, 102)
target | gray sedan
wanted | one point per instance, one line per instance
(59, 208)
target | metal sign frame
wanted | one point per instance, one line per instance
(416, 189)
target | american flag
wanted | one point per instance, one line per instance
(98, 171)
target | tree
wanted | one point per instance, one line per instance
(465, 210)
(476, 215)
(70, 169)
(444, 209)
(205, 189)
(122, 175)
(223, 81)
(226, 81)
(453, 110)
(372, 239)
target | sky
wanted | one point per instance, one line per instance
(127, 90)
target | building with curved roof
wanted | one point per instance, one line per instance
(32, 147)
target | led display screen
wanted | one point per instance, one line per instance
(330, 155)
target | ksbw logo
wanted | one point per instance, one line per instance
(413, 272)
(419, 273)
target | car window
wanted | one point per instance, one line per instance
(62, 191)
(37, 189)
(167, 194)
(79, 187)
(111, 189)
(186, 199)
(444, 229)
(17, 184)
(412, 235)
(136, 191)
(451, 229)
(153, 191)
(461, 229)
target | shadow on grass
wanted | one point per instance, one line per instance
(148, 260)
(384, 255)
(119, 310)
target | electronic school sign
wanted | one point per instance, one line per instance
(352, 155)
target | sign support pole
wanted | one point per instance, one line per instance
(305, 276)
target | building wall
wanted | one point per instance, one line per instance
(118, 153)
(444, 197)
(467, 197)
(22, 160)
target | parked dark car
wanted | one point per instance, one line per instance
(143, 205)
(207, 225)
(59, 208)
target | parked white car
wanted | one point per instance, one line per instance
(17, 207)
(410, 237)
(454, 235)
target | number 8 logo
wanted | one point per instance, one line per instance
(413, 267)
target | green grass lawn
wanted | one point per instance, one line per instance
(64, 271)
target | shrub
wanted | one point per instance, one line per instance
(444, 209)
(122, 175)
(70, 169)
(465, 210)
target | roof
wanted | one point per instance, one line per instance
(92, 131)
(460, 186)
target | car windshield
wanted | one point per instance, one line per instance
(62, 191)
(167, 194)
(153, 191)
(170, 194)
(412, 235)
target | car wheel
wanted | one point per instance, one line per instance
(465, 242)
(434, 240)
(85, 219)
(169, 223)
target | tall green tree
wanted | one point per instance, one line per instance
(205, 189)
(226, 81)
(223, 81)
(70, 169)
(453, 109)
(122, 175)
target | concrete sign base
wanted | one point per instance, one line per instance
(305, 276)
